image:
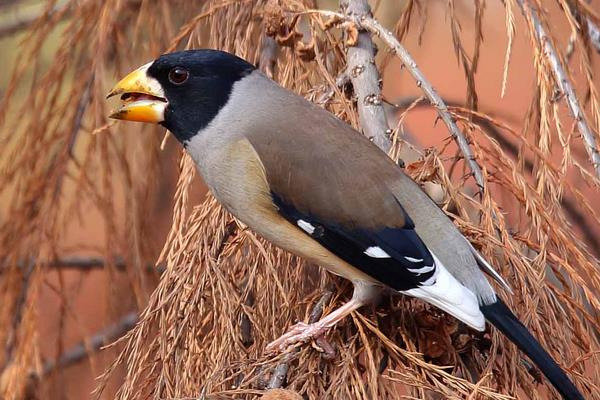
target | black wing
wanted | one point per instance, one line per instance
(394, 256)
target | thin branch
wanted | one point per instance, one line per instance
(18, 311)
(365, 78)
(84, 102)
(317, 311)
(86, 264)
(362, 72)
(564, 84)
(342, 80)
(92, 344)
(436, 101)
(592, 28)
(594, 34)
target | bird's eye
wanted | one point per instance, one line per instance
(178, 76)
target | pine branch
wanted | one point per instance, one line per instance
(565, 85)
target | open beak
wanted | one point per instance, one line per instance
(142, 96)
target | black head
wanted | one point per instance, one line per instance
(196, 85)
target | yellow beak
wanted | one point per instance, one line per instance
(143, 97)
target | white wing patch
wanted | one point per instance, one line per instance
(306, 226)
(445, 292)
(414, 260)
(422, 270)
(376, 252)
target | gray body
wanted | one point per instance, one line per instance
(321, 164)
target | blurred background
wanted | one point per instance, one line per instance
(86, 205)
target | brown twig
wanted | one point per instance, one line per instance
(86, 264)
(280, 373)
(317, 310)
(92, 344)
(18, 309)
(84, 101)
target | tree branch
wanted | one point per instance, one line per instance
(92, 344)
(594, 34)
(84, 102)
(28, 269)
(436, 101)
(564, 84)
(592, 29)
(86, 264)
(341, 81)
(365, 78)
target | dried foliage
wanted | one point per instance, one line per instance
(224, 292)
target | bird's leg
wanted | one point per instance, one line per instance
(303, 332)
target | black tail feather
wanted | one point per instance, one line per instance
(499, 315)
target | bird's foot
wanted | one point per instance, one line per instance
(304, 333)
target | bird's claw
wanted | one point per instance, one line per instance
(304, 333)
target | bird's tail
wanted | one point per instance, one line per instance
(499, 315)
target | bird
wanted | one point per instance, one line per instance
(314, 186)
